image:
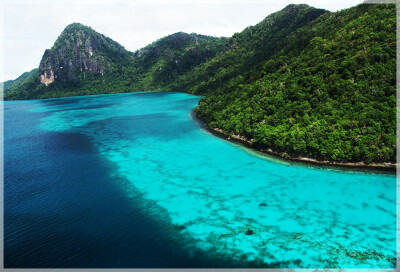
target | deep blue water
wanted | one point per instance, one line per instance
(130, 180)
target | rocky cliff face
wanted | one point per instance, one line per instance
(80, 51)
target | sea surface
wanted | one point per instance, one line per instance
(131, 180)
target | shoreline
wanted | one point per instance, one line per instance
(385, 167)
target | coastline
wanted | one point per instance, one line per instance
(386, 167)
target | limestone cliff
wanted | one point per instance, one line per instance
(80, 51)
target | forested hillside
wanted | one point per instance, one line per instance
(83, 62)
(158, 65)
(249, 49)
(335, 99)
(24, 83)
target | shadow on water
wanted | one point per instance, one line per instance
(71, 212)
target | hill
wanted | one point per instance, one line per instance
(277, 34)
(158, 65)
(335, 99)
(83, 61)
(24, 83)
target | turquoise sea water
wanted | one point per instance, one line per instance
(229, 201)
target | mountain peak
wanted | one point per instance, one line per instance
(74, 27)
(79, 51)
(296, 6)
(292, 8)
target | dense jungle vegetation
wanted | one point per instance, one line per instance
(335, 99)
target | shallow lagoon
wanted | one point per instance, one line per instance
(227, 200)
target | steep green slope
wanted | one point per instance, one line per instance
(250, 48)
(159, 64)
(83, 61)
(335, 99)
(23, 83)
(81, 51)
(78, 59)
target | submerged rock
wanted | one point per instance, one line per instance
(179, 227)
(249, 232)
